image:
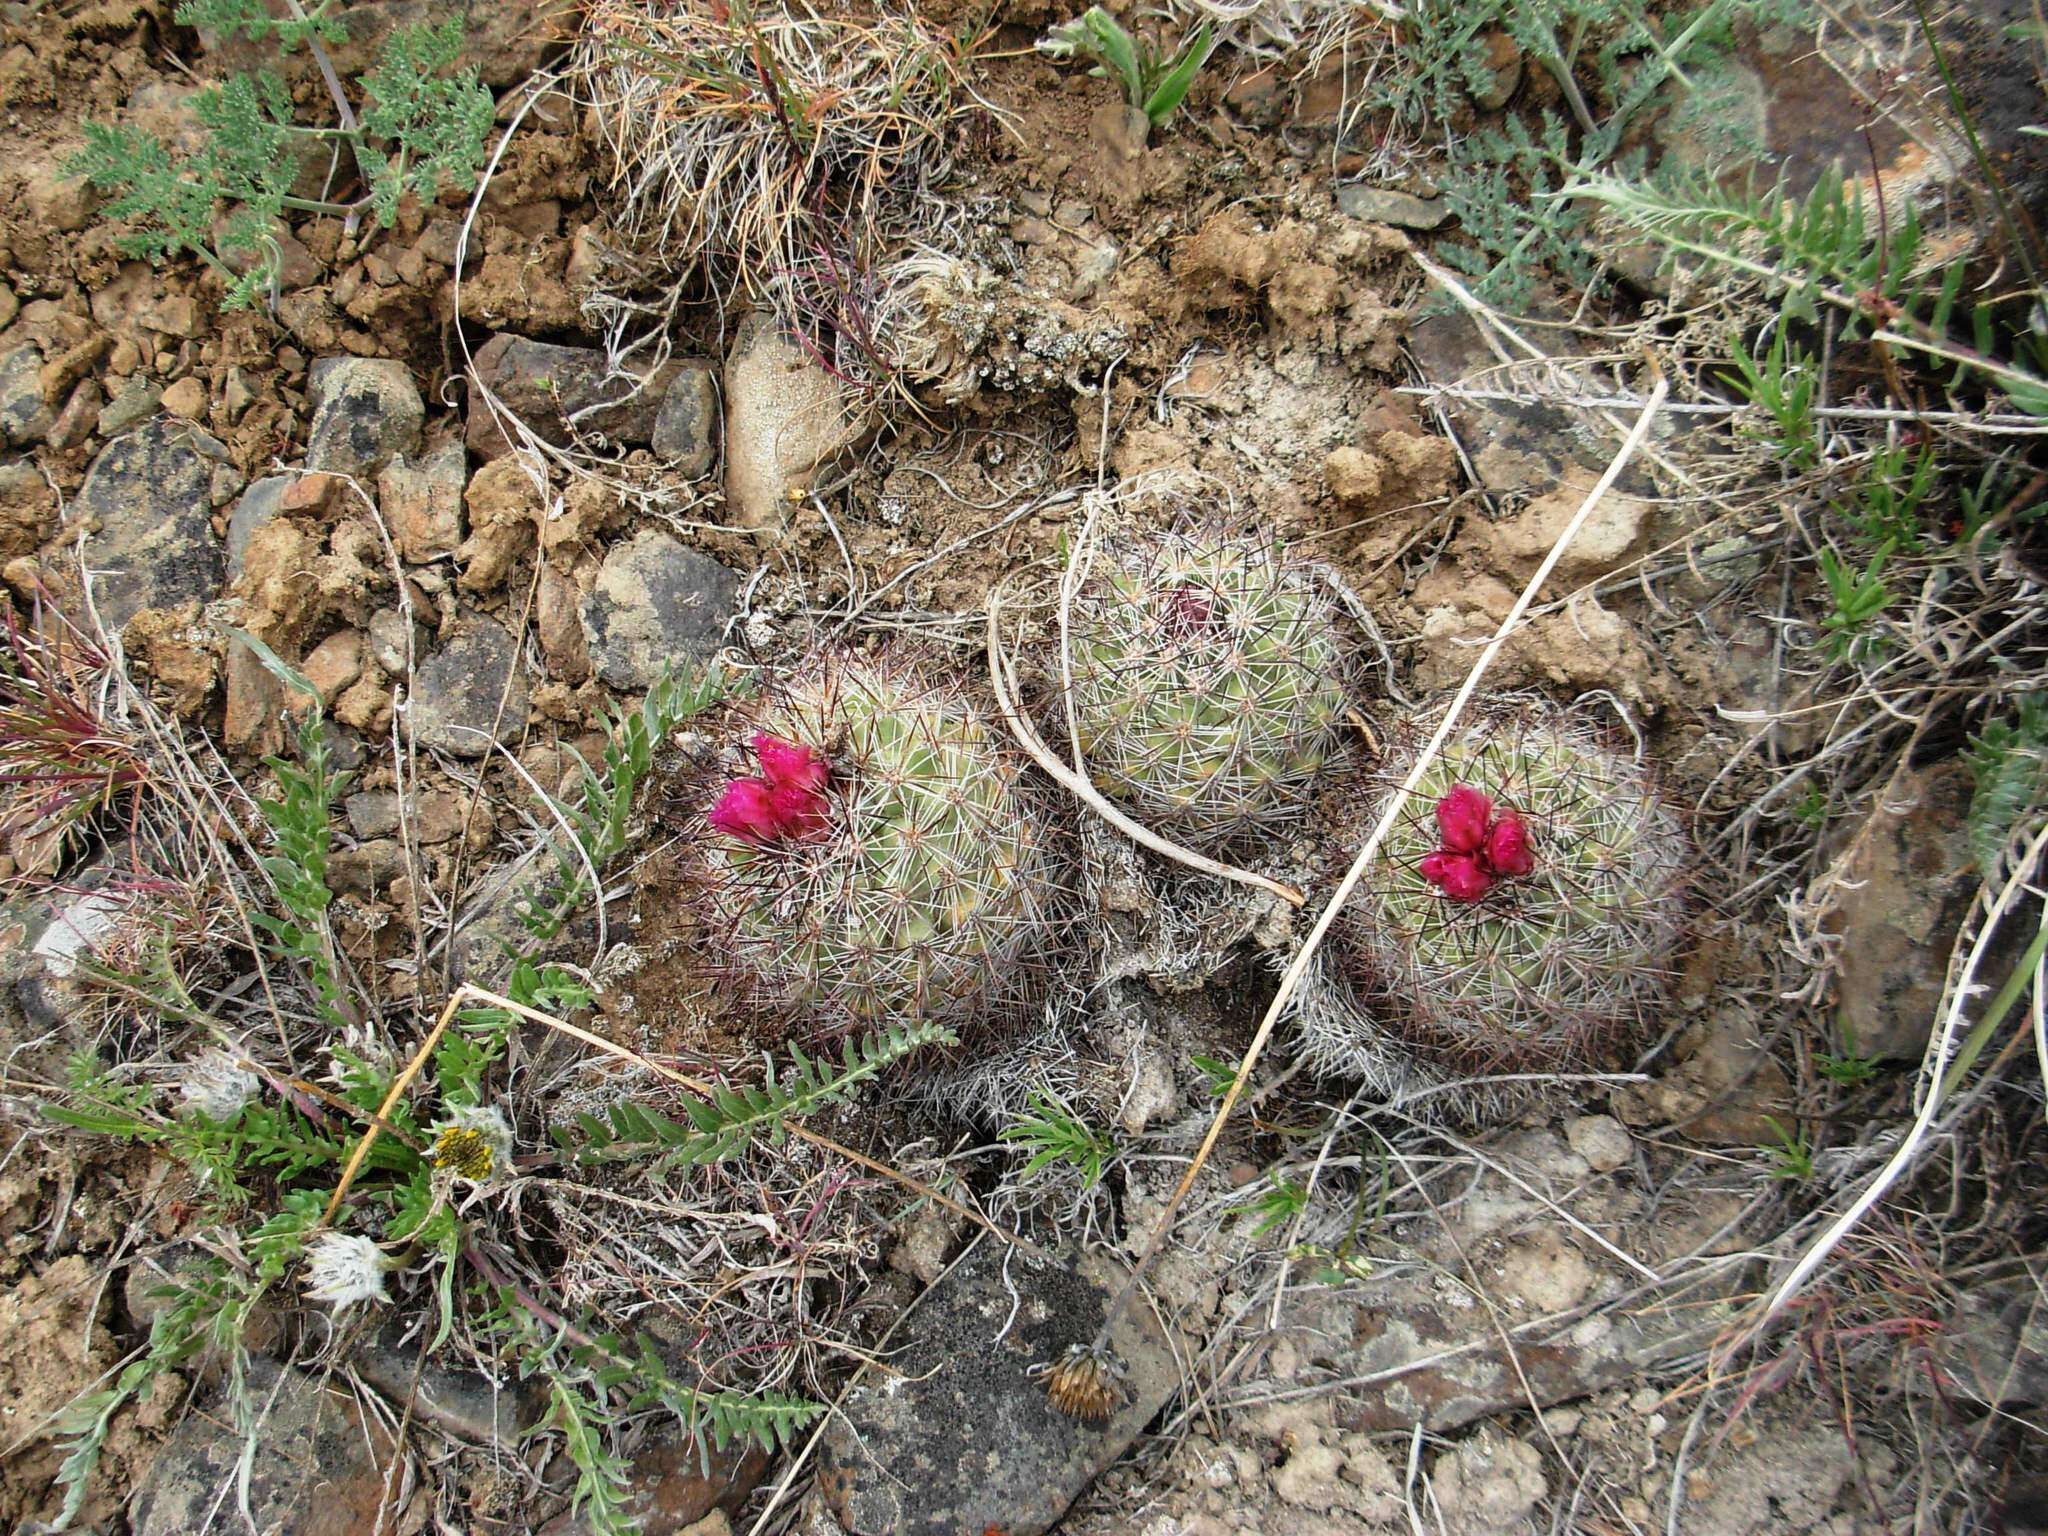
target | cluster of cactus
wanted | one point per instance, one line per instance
(1207, 681)
(1524, 908)
(885, 864)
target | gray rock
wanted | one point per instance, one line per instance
(422, 500)
(784, 417)
(372, 813)
(686, 426)
(655, 604)
(1383, 205)
(24, 416)
(389, 639)
(318, 1469)
(367, 868)
(466, 1404)
(962, 1437)
(43, 934)
(151, 493)
(366, 412)
(136, 402)
(259, 504)
(1898, 908)
(456, 691)
(549, 387)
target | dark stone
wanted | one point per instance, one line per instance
(319, 1467)
(961, 1437)
(655, 604)
(456, 691)
(366, 412)
(151, 493)
(686, 426)
(24, 415)
(547, 386)
(466, 1404)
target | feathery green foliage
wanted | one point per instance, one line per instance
(1155, 85)
(422, 130)
(732, 1119)
(1208, 680)
(252, 19)
(599, 819)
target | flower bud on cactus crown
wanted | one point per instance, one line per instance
(882, 863)
(1208, 680)
(1524, 908)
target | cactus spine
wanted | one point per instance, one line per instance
(887, 865)
(1523, 912)
(1207, 681)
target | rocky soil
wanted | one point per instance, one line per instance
(418, 480)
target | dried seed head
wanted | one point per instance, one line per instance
(343, 1269)
(1082, 1385)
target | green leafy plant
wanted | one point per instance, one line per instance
(1219, 1075)
(1858, 598)
(1055, 1134)
(421, 129)
(1277, 1206)
(1791, 1157)
(732, 1119)
(1782, 387)
(2008, 762)
(599, 817)
(1154, 84)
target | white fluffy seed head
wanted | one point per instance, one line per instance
(216, 1085)
(343, 1269)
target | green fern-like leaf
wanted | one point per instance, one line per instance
(2008, 765)
(430, 125)
(249, 18)
(732, 1119)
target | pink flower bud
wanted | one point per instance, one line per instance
(1507, 846)
(1459, 876)
(786, 765)
(1461, 816)
(746, 811)
(799, 812)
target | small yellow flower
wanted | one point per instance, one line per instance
(465, 1152)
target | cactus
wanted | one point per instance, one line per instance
(1522, 912)
(887, 863)
(1208, 686)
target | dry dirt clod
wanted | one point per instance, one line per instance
(422, 500)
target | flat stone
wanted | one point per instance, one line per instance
(1383, 205)
(1898, 908)
(961, 1437)
(549, 387)
(456, 691)
(785, 416)
(255, 509)
(655, 605)
(366, 412)
(686, 426)
(24, 415)
(318, 1470)
(135, 403)
(422, 500)
(466, 1404)
(44, 933)
(151, 493)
